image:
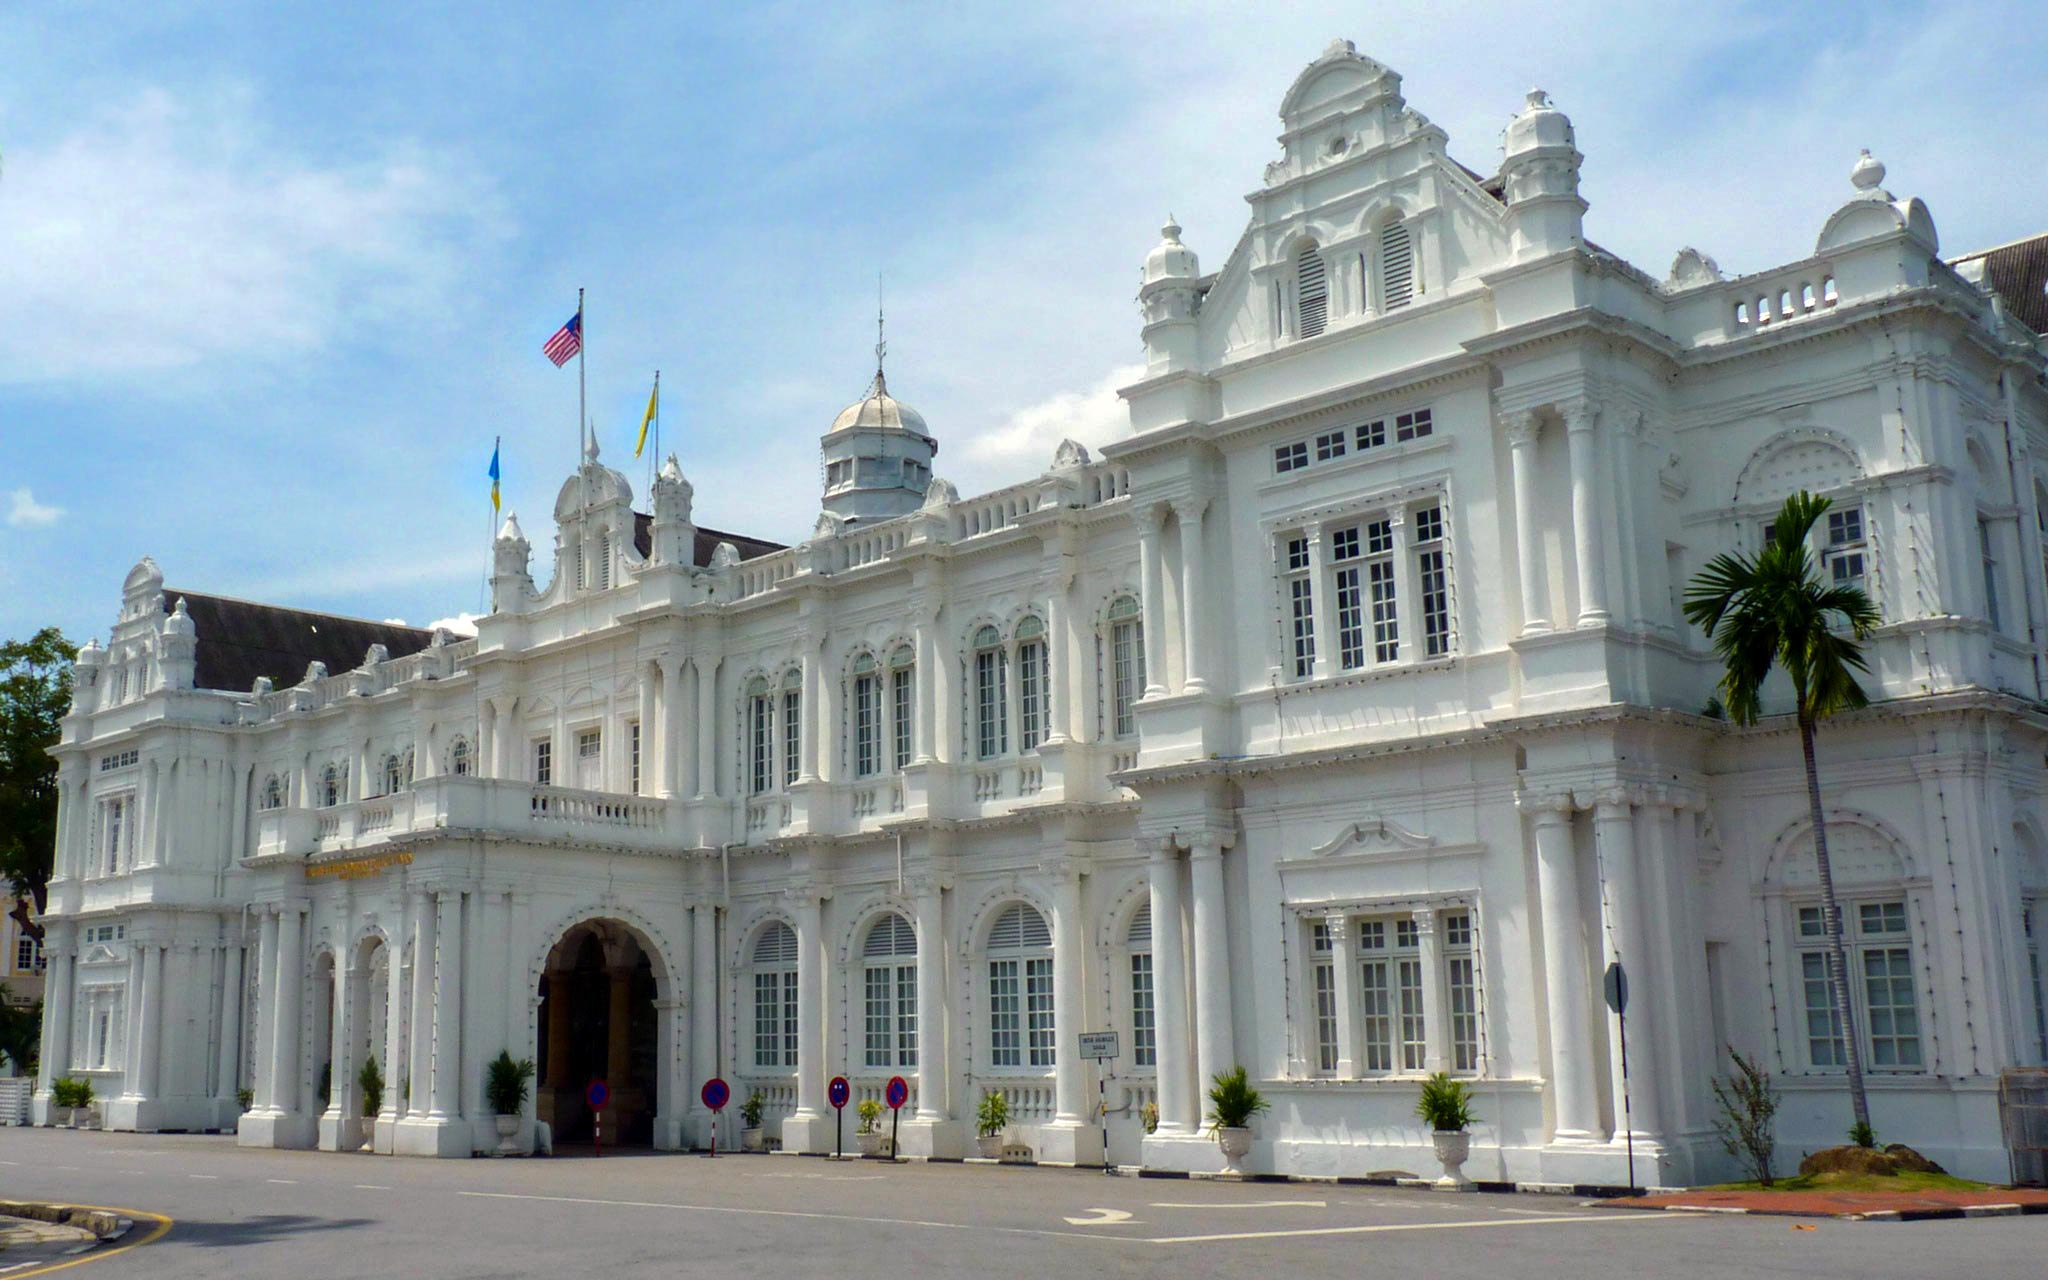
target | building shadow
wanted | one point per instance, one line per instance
(261, 1229)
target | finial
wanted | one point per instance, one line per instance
(590, 444)
(1537, 99)
(1171, 231)
(881, 342)
(1868, 173)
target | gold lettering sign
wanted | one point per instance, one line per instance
(359, 868)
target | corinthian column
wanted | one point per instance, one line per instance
(1177, 1112)
(1579, 422)
(1215, 1043)
(1569, 988)
(1195, 612)
(1152, 597)
(1620, 859)
(1522, 431)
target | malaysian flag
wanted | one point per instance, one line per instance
(568, 340)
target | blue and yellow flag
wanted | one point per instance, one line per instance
(494, 474)
(653, 407)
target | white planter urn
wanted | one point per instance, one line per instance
(1236, 1143)
(873, 1144)
(60, 1117)
(508, 1135)
(989, 1146)
(1452, 1147)
(753, 1139)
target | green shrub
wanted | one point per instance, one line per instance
(325, 1089)
(1446, 1104)
(1233, 1101)
(370, 1082)
(245, 1098)
(1863, 1135)
(1148, 1115)
(992, 1114)
(69, 1092)
(505, 1083)
(1745, 1121)
(870, 1112)
(750, 1110)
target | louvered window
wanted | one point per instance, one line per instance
(1144, 1017)
(1397, 266)
(775, 988)
(1020, 996)
(1311, 291)
(890, 982)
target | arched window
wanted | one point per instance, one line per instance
(394, 774)
(273, 793)
(792, 726)
(1126, 667)
(1020, 1008)
(604, 561)
(991, 695)
(1312, 294)
(1397, 266)
(867, 717)
(774, 966)
(1032, 684)
(760, 753)
(1144, 1019)
(902, 704)
(330, 786)
(889, 976)
(458, 757)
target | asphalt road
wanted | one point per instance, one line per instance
(308, 1215)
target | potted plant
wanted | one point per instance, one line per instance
(991, 1115)
(370, 1083)
(506, 1082)
(751, 1138)
(1446, 1108)
(1148, 1115)
(1232, 1104)
(873, 1142)
(67, 1098)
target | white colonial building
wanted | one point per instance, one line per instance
(1339, 722)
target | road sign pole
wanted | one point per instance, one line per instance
(1627, 1112)
(839, 1133)
(1102, 1113)
(895, 1127)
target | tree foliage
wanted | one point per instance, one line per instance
(35, 693)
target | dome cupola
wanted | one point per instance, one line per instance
(878, 453)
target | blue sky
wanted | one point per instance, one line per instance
(275, 275)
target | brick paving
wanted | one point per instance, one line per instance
(1835, 1204)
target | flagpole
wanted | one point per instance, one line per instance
(582, 341)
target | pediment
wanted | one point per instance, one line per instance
(1374, 835)
(99, 953)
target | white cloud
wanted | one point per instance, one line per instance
(24, 512)
(462, 624)
(169, 231)
(1025, 440)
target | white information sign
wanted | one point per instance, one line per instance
(1098, 1044)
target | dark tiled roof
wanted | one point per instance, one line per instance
(239, 641)
(707, 541)
(2019, 272)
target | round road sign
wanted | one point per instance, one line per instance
(716, 1094)
(597, 1093)
(838, 1092)
(898, 1093)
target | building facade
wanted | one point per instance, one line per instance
(1339, 722)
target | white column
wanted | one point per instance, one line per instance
(131, 1045)
(677, 771)
(1322, 609)
(447, 989)
(1195, 612)
(651, 762)
(926, 694)
(810, 1010)
(1069, 961)
(1407, 591)
(1523, 431)
(707, 724)
(704, 997)
(394, 1068)
(1059, 662)
(933, 1022)
(1614, 830)
(1344, 968)
(341, 1038)
(1436, 1038)
(814, 730)
(56, 1048)
(1215, 1045)
(1579, 422)
(1567, 982)
(264, 1048)
(1177, 1100)
(150, 1051)
(1152, 597)
(284, 1027)
(228, 1071)
(420, 1053)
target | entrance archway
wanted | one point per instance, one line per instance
(598, 1021)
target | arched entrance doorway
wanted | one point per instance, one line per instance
(598, 1021)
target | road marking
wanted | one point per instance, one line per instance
(1413, 1226)
(207, 1177)
(284, 1182)
(370, 1186)
(795, 1213)
(163, 1224)
(1103, 1218)
(1243, 1204)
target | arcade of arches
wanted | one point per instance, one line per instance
(598, 1022)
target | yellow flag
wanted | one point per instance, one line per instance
(653, 401)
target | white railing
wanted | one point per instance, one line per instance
(973, 517)
(1032, 1099)
(373, 816)
(868, 1086)
(560, 804)
(1761, 303)
(767, 815)
(895, 790)
(988, 785)
(778, 1100)
(328, 827)
(864, 803)
(1105, 482)
(1030, 778)
(763, 573)
(872, 544)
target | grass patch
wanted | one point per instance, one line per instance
(1902, 1181)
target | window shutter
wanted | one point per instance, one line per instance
(1141, 928)
(1397, 266)
(1312, 291)
(777, 945)
(1020, 926)
(890, 936)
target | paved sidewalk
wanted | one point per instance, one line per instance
(1898, 1206)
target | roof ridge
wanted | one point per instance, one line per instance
(169, 592)
(2010, 244)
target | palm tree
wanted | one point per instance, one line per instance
(1775, 609)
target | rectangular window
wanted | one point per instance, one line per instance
(1127, 676)
(792, 736)
(881, 1020)
(1290, 457)
(115, 834)
(1324, 970)
(2030, 925)
(1038, 1009)
(119, 760)
(1329, 445)
(1376, 994)
(1031, 683)
(589, 744)
(1144, 1031)
(28, 955)
(544, 762)
(762, 717)
(899, 688)
(1005, 1014)
(1985, 549)
(1844, 553)
(768, 1020)
(1301, 622)
(633, 756)
(867, 726)
(1350, 620)
(1434, 580)
(1880, 955)
(990, 696)
(1461, 989)
(1413, 426)
(906, 1015)
(1371, 435)
(1414, 1041)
